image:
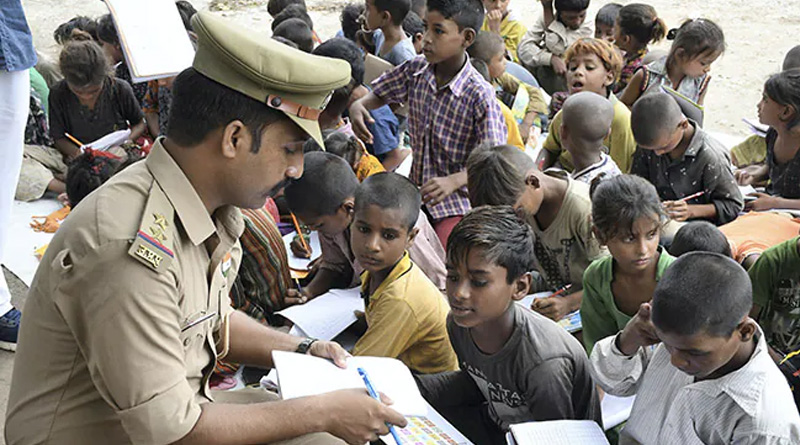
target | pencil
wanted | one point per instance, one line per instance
(561, 290)
(72, 138)
(692, 196)
(300, 233)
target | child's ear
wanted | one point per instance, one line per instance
(533, 181)
(348, 206)
(418, 37)
(787, 113)
(522, 286)
(412, 234)
(469, 37)
(747, 329)
(610, 77)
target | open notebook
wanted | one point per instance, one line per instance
(557, 432)
(153, 38)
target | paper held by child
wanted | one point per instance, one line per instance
(302, 375)
(328, 315)
(297, 263)
(110, 140)
(557, 432)
(571, 322)
(153, 38)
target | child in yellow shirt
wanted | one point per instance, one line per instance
(406, 314)
(504, 23)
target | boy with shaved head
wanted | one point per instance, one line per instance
(586, 122)
(681, 160)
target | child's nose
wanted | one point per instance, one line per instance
(372, 243)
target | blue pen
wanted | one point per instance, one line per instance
(375, 396)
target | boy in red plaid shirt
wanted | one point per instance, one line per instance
(452, 109)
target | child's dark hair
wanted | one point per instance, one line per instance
(285, 41)
(653, 116)
(186, 11)
(487, 45)
(296, 31)
(607, 15)
(390, 191)
(792, 59)
(326, 182)
(106, 31)
(64, 32)
(784, 88)
(397, 8)
(311, 145)
(696, 37)
(496, 174)
(504, 238)
(702, 292)
(344, 49)
(642, 23)
(294, 11)
(571, 5)
(274, 7)
(413, 25)
(83, 62)
(699, 236)
(466, 13)
(343, 145)
(418, 6)
(351, 19)
(89, 171)
(617, 203)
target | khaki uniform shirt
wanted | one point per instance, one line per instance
(120, 323)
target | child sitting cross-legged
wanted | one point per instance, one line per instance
(682, 160)
(405, 311)
(586, 122)
(594, 65)
(324, 199)
(557, 208)
(627, 218)
(697, 363)
(516, 365)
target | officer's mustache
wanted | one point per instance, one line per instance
(280, 186)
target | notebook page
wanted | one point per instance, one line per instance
(153, 38)
(328, 315)
(559, 432)
(297, 263)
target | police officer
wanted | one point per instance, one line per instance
(129, 308)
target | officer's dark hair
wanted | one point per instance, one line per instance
(397, 8)
(63, 33)
(342, 48)
(351, 19)
(702, 292)
(326, 182)
(571, 5)
(699, 236)
(274, 7)
(295, 11)
(296, 31)
(506, 240)
(201, 105)
(466, 13)
(106, 31)
(390, 191)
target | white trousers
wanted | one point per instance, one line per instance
(15, 90)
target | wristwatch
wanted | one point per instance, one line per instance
(305, 345)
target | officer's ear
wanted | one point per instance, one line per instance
(235, 138)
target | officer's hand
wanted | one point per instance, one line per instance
(359, 117)
(299, 250)
(331, 350)
(357, 418)
(294, 297)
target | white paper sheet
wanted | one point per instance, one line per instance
(301, 375)
(110, 140)
(615, 410)
(19, 256)
(153, 38)
(297, 263)
(559, 432)
(328, 315)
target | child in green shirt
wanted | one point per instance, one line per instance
(627, 217)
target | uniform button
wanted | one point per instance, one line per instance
(186, 341)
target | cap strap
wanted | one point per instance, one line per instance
(289, 107)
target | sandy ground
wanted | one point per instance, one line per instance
(758, 33)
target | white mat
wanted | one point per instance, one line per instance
(23, 241)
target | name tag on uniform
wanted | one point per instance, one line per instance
(227, 262)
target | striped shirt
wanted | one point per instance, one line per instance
(750, 405)
(604, 165)
(445, 124)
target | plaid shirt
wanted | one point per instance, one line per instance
(445, 124)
